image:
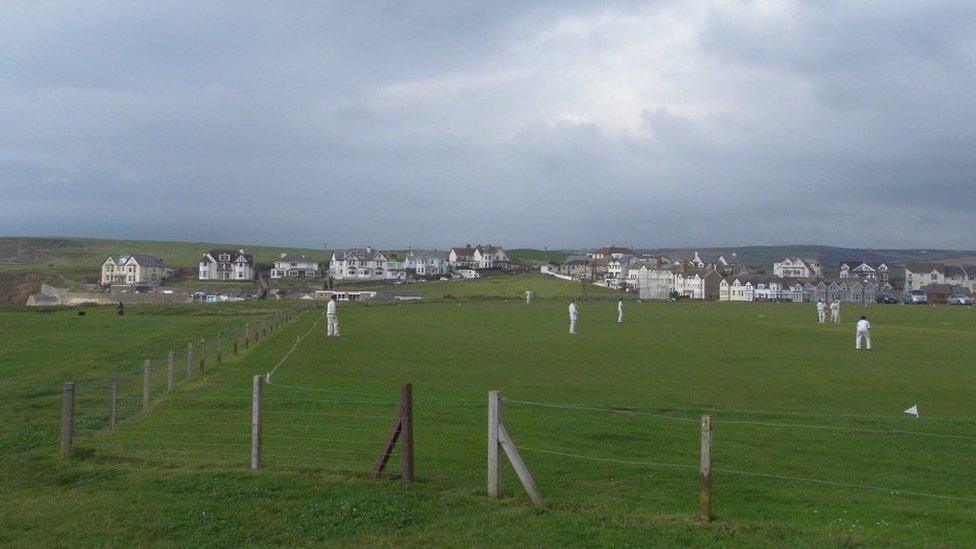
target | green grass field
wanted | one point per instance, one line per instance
(607, 420)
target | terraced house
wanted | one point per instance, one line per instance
(134, 269)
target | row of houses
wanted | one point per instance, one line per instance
(721, 276)
(369, 264)
(347, 264)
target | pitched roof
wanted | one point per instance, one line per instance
(365, 254)
(426, 254)
(148, 260)
(489, 248)
(234, 254)
(295, 258)
(463, 250)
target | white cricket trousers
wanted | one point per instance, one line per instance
(332, 325)
(822, 316)
(620, 316)
(835, 317)
(572, 325)
(862, 335)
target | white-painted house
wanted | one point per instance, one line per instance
(490, 256)
(461, 256)
(876, 272)
(477, 257)
(754, 288)
(226, 265)
(919, 275)
(295, 266)
(359, 264)
(795, 267)
(618, 268)
(134, 269)
(426, 263)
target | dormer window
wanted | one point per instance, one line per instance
(224, 257)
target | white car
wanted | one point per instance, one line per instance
(959, 299)
(916, 297)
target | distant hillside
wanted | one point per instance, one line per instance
(539, 257)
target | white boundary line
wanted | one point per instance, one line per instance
(291, 350)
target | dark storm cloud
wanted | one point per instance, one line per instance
(546, 124)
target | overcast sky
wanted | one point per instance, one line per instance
(559, 124)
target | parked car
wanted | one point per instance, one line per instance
(916, 297)
(959, 299)
(886, 298)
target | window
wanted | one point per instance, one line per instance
(224, 257)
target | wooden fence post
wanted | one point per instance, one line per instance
(146, 367)
(113, 399)
(203, 355)
(247, 336)
(67, 418)
(494, 418)
(705, 497)
(402, 428)
(170, 371)
(511, 451)
(256, 422)
(189, 360)
(406, 421)
(235, 345)
(220, 349)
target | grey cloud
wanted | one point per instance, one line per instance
(540, 123)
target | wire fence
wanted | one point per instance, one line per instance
(568, 447)
(585, 442)
(97, 411)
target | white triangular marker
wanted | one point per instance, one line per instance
(913, 411)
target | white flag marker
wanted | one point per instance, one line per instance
(913, 411)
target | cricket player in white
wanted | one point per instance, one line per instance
(835, 312)
(573, 316)
(822, 312)
(528, 296)
(863, 332)
(331, 321)
(620, 311)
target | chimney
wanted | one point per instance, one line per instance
(282, 255)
